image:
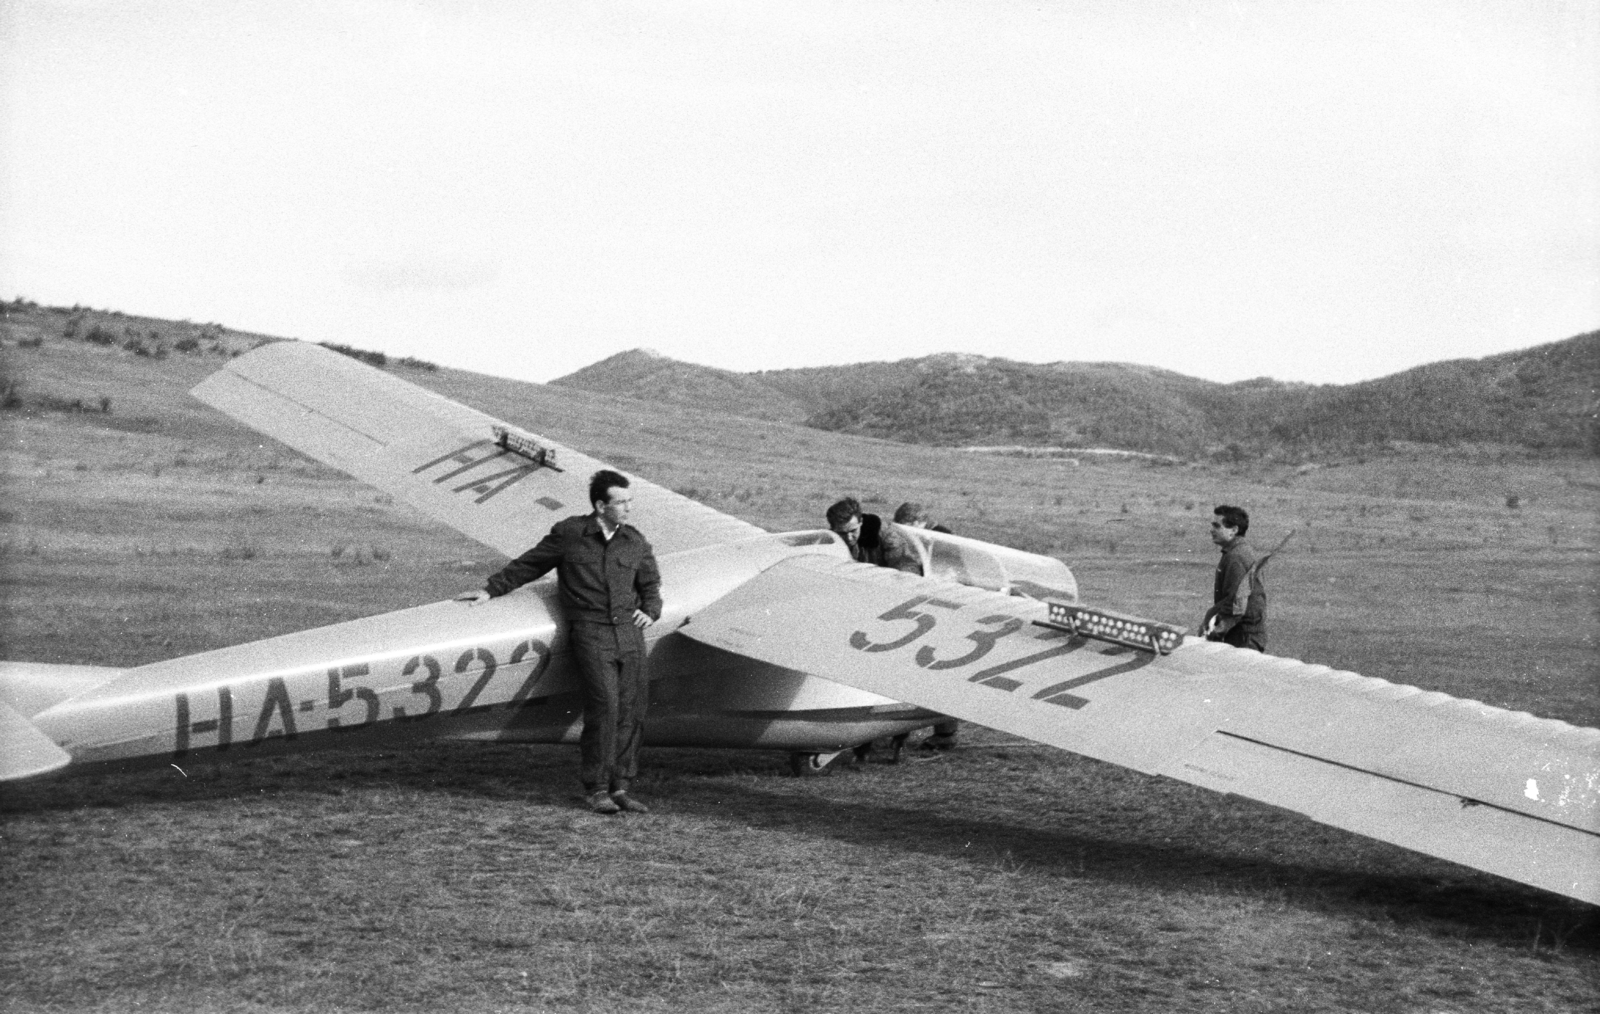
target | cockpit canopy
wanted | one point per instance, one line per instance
(976, 563)
(997, 568)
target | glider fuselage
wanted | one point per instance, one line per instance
(499, 672)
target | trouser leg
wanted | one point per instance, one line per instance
(616, 695)
(1255, 640)
(633, 700)
(597, 673)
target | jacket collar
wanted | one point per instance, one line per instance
(592, 526)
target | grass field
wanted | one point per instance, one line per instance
(1001, 877)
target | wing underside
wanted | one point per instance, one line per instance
(450, 461)
(1499, 791)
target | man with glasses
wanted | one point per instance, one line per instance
(610, 590)
(1238, 614)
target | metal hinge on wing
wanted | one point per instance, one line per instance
(1105, 625)
(524, 445)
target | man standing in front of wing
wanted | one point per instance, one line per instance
(610, 591)
(1238, 614)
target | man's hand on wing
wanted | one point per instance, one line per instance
(473, 598)
(641, 619)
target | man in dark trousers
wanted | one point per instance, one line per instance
(610, 591)
(1238, 614)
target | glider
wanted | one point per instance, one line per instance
(781, 641)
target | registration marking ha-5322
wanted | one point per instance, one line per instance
(275, 715)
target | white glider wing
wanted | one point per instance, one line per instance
(1499, 791)
(490, 481)
(25, 750)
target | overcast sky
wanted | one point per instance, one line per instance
(1312, 191)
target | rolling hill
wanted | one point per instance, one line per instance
(1541, 398)
(1545, 398)
(650, 376)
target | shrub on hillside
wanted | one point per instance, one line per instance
(377, 359)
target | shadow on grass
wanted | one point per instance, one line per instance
(967, 814)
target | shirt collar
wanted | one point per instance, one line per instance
(596, 528)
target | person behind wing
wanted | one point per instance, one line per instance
(871, 540)
(1238, 613)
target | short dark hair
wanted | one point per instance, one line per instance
(910, 512)
(841, 512)
(601, 482)
(1233, 517)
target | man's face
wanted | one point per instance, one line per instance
(614, 509)
(1221, 534)
(850, 531)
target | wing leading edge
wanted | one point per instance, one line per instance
(436, 454)
(1503, 792)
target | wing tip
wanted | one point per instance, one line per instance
(25, 751)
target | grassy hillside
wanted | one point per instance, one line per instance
(1545, 398)
(649, 376)
(1001, 877)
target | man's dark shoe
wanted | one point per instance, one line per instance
(937, 742)
(601, 802)
(622, 801)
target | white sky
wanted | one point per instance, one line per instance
(1323, 191)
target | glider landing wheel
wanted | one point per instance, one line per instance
(810, 765)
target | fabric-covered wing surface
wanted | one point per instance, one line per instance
(435, 454)
(24, 750)
(1503, 792)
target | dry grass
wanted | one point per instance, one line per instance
(1002, 877)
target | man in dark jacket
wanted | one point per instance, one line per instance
(1238, 613)
(870, 539)
(610, 590)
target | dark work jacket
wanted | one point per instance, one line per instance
(602, 581)
(883, 543)
(1239, 599)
